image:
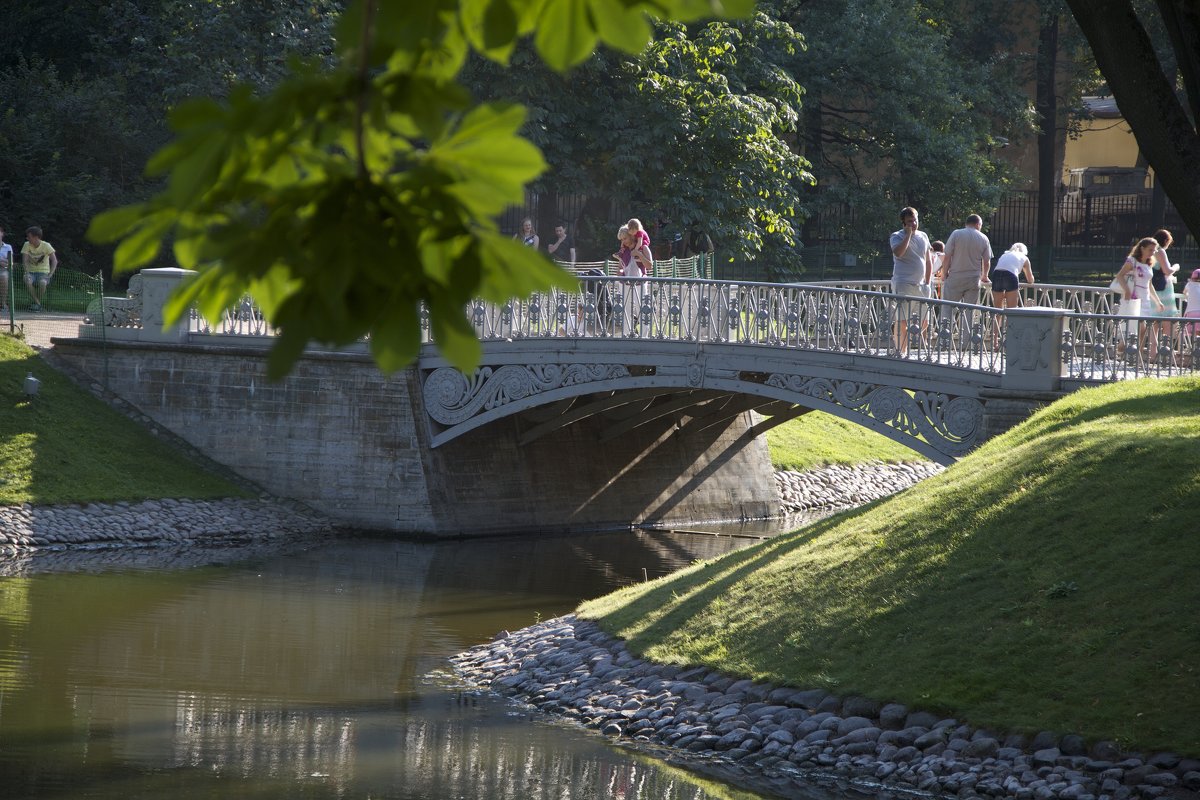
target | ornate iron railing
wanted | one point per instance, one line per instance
(857, 318)
(1079, 299)
(806, 317)
(247, 319)
(1098, 348)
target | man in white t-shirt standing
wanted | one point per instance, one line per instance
(967, 262)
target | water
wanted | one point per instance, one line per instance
(307, 671)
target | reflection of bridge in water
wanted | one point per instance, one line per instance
(310, 670)
(619, 401)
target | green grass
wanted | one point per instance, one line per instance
(65, 446)
(1050, 580)
(818, 439)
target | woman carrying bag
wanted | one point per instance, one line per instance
(1139, 298)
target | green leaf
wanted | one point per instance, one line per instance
(140, 247)
(489, 163)
(396, 340)
(564, 34)
(288, 348)
(512, 270)
(188, 249)
(490, 26)
(626, 29)
(108, 226)
(456, 339)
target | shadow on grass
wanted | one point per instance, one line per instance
(1043, 586)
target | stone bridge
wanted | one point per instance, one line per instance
(622, 403)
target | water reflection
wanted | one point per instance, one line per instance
(306, 673)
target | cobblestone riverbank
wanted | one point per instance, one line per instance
(840, 487)
(201, 522)
(152, 522)
(783, 738)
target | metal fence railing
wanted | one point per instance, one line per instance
(58, 313)
(858, 318)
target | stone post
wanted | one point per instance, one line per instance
(1032, 349)
(157, 286)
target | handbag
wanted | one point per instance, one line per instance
(1116, 286)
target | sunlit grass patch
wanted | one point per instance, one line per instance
(1047, 581)
(66, 446)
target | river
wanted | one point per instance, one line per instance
(308, 670)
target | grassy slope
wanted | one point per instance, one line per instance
(817, 439)
(68, 447)
(1051, 580)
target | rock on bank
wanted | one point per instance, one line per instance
(841, 486)
(152, 522)
(570, 667)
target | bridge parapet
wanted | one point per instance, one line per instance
(854, 319)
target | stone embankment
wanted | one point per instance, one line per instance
(840, 487)
(206, 522)
(153, 522)
(783, 739)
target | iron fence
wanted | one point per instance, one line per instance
(57, 313)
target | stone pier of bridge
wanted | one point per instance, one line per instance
(354, 444)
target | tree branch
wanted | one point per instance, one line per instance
(1147, 99)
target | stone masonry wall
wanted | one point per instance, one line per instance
(336, 434)
(350, 442)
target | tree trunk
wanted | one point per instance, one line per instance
(1047, 110)
(1146, 97)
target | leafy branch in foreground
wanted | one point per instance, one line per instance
(347, 196)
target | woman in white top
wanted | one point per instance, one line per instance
(1139, 266)
(1006, 286)
(1165, 276)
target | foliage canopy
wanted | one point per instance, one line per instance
(347, 196)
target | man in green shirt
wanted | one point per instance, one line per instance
(40, 263)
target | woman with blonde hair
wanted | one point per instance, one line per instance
(527, 234)
(634, 261)
(1005, 276)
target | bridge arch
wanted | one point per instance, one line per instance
(933, 409)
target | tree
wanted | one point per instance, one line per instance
(695, 129)
(906, 103)
(1162, 111)
(86, 101)
(348, 196)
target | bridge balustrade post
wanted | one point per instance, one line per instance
(157, 286)
(1033, 358)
